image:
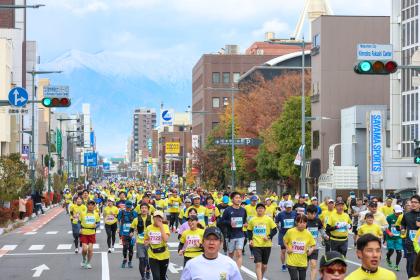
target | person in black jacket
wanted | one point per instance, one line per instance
(37, 202)
(139, 224)
(408, 223)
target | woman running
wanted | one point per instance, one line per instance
(110, 214)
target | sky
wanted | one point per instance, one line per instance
(163, 39)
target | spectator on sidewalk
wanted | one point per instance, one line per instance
(37, 199)
(22, 208)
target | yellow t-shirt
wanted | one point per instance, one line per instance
(174, 203)
(387, 210)
(342, 223)
(213, 214)
(270, 211)
(161, 204)
(110, 215)
(415, 278)
(325, 215)
(201, 213)
(76, 211)
(381, 274)
(134, 223)
(251, 212)
(88, 222)
(192, 239)
(68, 197)
(261, 227)
(299, 242)
(373, 229)
(154, 236)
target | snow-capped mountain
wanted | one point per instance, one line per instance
(117, 83)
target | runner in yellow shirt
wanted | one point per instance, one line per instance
(156, 237)
(337, 229)
(387, 209)
(299, 244)
(270, 208)
(370, 253)
(174, 205)
(261, 230)
(202, 213)
(191, 241)
(110, 217)
(68, 199)
(76, 209)
(213, 212)
(89, 222)
(369, 227)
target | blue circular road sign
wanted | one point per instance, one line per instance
(18, 97)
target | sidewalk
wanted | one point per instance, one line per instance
(38, 221)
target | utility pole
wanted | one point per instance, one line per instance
(303, 122)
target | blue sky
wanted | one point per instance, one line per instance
(163, 39)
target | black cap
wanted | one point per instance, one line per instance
(339, 202)
(331, 257)
(260, 205)
(91, 202)
(213, 230)
(373, 204)
(192, 218)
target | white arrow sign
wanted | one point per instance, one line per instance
(173, 268)
(39, 270)
(18, 99)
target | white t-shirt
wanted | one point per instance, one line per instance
(200, 268)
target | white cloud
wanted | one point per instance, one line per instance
(80, 7)
(280, 28)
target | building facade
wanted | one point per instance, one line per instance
(144, 121)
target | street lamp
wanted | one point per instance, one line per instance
(32, 155)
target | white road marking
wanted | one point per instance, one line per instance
(174, 268)
(30, 233)
(39, 270)
(117, 246)
(36, 247)
(98, 231)
(354, 263)
(250, 273)
(64, 246)
(105, 266)
(96, 246)
(173, 244)
(70, 232)
(101, 227)
(9, 247)
(51, 232)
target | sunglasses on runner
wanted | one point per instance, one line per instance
(330, 270)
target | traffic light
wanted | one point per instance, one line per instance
(417, 155)
(56, 102)
(378, 67)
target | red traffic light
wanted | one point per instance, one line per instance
(391, 66)
(56, 102)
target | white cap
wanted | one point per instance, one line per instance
(288, 204)
(314, 198)
(398, 209)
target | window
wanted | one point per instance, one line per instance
(214, 124)
(317, 40)
(225, 101)
(315, 139)
(236, 77)
(226, 77)
(216, 78)
(216, 102)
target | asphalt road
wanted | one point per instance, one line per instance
(44, 249)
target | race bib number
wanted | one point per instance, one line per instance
(175, 205)
(200, 217)
(341, 226)
(260, 230)
(126, 227)
(395, 232)
(141, 236)
(193, 241)
(412, 234)
(298, 247)
(313, 231)
(155, 238)
(90, 220)
(289, 223)
(110, 218)
(237, 222)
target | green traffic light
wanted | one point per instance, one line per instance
(46, 102)
(365, 66)
(417, 160)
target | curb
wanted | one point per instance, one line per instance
(19, 223)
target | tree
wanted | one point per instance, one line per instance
(46, 159)
(283, 139)
(13, 177)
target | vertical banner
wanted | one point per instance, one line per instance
(375, 150)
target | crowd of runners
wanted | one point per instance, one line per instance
(215, 228)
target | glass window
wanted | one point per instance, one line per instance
(317, 40)
(315, 139)
(236, 77)
(216, 78)
(226, 77)
(216, 102)
(225, 101)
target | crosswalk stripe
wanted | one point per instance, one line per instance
(98, 231)
(36, 247)
(117, 246)
(173, 244)
(96, 246)
(51, 232)
(101, 227)
(70, 232)
(9, 247)
(64, 246)
(30, 233)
